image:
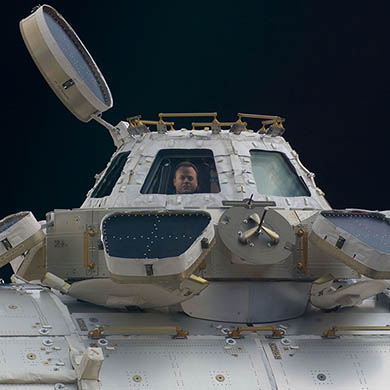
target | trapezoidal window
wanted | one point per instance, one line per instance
(275, 175)
(111, 176)
(182, 171)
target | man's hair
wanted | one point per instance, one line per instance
(187, 164)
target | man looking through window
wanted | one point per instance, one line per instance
(185, 180)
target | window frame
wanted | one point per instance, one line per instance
(177, 154)
(288, 164)
(106, 184)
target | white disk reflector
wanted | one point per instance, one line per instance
(65, 63)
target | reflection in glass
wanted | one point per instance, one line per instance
(274, 175)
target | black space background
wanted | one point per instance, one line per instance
(322, 65)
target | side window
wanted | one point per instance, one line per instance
(111, 176)
(274, 175)
(182, 171)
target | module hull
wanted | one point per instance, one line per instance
(41, 335)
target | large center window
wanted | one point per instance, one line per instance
(274, 175)
(182, 171)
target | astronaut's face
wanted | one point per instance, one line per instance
(185, 180)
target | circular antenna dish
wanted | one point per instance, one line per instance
(65, 63)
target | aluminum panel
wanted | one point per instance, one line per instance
(25, 313)
(249, 301)
(86, 321)
(67, 242)
(348, 363)
(35, 359)
(193, 364)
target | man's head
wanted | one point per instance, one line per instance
(186, 178)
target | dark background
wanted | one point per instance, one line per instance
(324, 66)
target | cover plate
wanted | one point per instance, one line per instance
(65, 63)
(236, 221)
(360, 239)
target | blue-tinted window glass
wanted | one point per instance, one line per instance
(74, 56)
(113, 172)
(160, 177)
(274, 175)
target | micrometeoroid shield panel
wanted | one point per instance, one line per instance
(359, 239)
(65, 63)
(169, 242)
(75, 56)
(152, 235)
(370, 229)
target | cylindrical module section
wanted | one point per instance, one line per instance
(18, 233)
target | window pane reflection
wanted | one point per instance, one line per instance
(274, 175)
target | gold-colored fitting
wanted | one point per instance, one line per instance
(96, 333)
(331, 333)
(180, 333)
(277, 333)
(300, 266)
(134, 121)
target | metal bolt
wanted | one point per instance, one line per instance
(31, 356)
(102, 342)
(321, 377)
(285, 341)
(230, 341)
(47, 342)
(225, 330)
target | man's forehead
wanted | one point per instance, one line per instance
(186, 171)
